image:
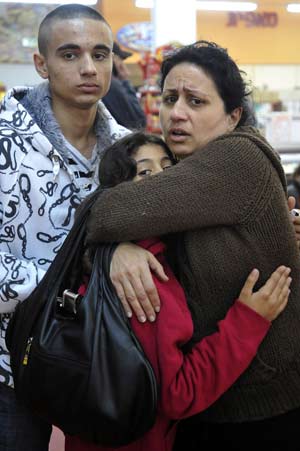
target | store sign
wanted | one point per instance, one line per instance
(136, 36)
(251, 19)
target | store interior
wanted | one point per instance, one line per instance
(264, 41)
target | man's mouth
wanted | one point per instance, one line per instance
(88, 87)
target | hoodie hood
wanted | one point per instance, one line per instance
(32, 106)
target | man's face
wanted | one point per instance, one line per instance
(78, 63)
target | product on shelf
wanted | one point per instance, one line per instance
(2, 90)
(150, 92)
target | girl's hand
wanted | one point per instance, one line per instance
(271, 299)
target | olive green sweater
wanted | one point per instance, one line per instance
(230, 200)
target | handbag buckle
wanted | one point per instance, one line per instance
(69, 301)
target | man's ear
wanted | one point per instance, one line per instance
(40, 65)
(234, 117)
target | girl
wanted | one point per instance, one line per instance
(188, 383)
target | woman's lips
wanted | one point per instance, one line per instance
(177, 135)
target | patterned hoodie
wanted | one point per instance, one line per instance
(41, 184)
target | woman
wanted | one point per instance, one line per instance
(188, 384)
(228, 194)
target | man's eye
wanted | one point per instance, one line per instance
(69, 56)
(99, 56)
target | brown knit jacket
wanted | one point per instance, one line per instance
(230, 200)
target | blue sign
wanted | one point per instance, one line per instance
(136, 36)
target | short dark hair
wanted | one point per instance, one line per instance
(117, 164)
(64, 12)
(215, 61)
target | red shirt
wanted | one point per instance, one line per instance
(189, 383)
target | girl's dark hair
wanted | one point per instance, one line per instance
(216, 62)
(117, 164)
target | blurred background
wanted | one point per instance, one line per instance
(262, 36)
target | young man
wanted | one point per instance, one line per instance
(51, 140)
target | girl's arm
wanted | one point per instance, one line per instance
(191, 383)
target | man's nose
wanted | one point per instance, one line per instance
(88, 65)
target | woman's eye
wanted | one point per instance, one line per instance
(144, 172)
(196, 101)
(169, 99)
(167, 166)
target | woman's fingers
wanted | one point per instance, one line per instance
(131, 276)
(121, 295)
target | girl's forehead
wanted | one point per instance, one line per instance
(151, 150)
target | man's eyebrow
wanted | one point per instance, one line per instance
(71, 46)
(68, 46)
(103, 47)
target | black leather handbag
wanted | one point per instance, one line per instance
(75, 360)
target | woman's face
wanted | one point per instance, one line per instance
(192, 112)
(150, 159)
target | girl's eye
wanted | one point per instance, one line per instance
(144, 172)
(167, 166)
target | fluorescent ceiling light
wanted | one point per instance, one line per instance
(225, 6)
(50, 2)
(144, 3)
(293, 7)
(209, 5)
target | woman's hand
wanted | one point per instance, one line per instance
(130, 273)
(272, 297)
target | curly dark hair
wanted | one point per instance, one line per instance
(217, 64)
(117, 164)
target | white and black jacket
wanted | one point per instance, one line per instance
(39, 192)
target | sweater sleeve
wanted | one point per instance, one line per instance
(190, 383)
(226, 183)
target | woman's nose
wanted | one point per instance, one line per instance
(178, 111)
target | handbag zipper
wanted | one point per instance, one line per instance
(27, 350)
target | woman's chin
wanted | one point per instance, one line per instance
(181, 151)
